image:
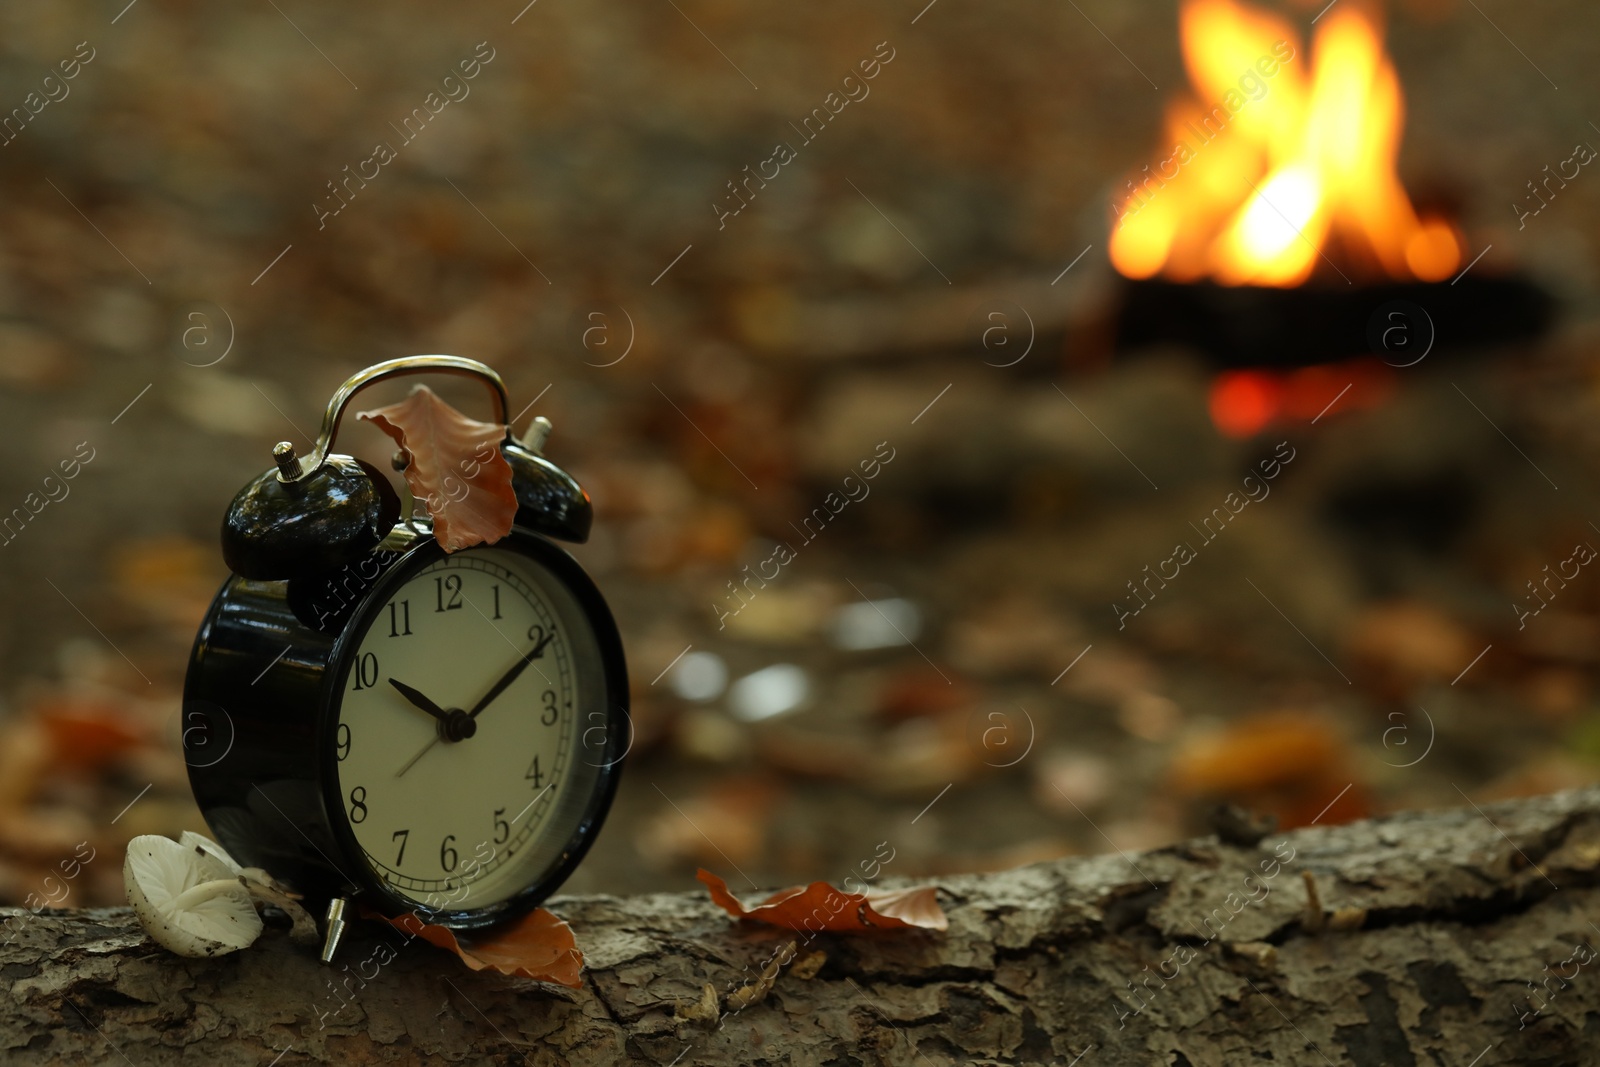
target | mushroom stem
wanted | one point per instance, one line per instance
(263, 889)
(203, 892)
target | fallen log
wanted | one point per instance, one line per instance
(1449, 937)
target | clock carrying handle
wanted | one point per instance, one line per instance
(393, 368)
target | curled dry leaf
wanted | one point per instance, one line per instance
(538, 946)
(455, 468)
(819, 906)
(808, 966)
(756, 991)
(704, 1010)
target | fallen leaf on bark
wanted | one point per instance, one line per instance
(825, 908)
(538, 946)
(703, 1010)
(455, 468)
(755, 992)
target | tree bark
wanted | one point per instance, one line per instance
(1443, 938)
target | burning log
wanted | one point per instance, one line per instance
(1261, 326)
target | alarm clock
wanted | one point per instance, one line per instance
(372, 719)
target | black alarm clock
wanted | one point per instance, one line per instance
(372, 719)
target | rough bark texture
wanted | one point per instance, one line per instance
(1459, 912)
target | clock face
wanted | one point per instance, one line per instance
(464, 732)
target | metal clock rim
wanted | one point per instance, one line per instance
(368, 887)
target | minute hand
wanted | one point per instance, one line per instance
(511, 675)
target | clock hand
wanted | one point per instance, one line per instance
(416, 697)
(511, 675)
(457, 725)
(412, 761)
(453, 724)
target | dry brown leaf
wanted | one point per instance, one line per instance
(819, 906)
(1259, 751)
(703, 1010)
(455, 468)
(538, 946)
(756, 991)
(1293, 765)
(88, 732)
(808, 967)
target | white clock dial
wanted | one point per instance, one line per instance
(458, 729)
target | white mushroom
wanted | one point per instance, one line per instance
(189, 896)
(195, 899)
(207, 847)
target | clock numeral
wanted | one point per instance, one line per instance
(400, 623)
(358, 804)
(497, 602)
(342, 740)
(447, 855)
(366, 671)
(402, 836)
(535, 775)
(540, 637)
(549, 714)
(450, 583)
(502, 829)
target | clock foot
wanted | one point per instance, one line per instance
(335, 928)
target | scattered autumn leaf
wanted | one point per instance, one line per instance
(827, 908)
(756, 991)
(1401, 643)
(703, 1010)
(808, 966)
(1257, 751)
(455, 468)
(1293, 765)
(538, 946)
(88, 733)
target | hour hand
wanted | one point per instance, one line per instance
(421, 701)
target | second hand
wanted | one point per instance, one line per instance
(419, 755)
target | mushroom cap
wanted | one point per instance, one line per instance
(203, 844)
(159, 870)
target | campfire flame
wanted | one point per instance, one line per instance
(1294, 152)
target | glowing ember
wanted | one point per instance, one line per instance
(1289, 157)
(1245, 402)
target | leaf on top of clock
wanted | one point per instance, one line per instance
(455, 468)
(820, 905)
(538, 946)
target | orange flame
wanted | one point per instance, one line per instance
(1286, 159)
